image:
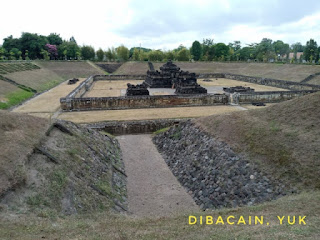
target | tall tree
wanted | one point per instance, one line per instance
(196, 50)
(10, 42)
(221, 51)
(87, 52)
(69, 50)
(100, 54)
(183, 55)
(123, 53)
(55, 39)
(311, 51)
(111, 54)
(207, 49)
(281, 48)
(34, 43)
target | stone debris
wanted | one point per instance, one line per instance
(212, 172)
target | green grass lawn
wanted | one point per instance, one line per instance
(16, 97)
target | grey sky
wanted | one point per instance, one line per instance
(164, 24)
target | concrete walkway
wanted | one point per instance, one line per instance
(152, 188)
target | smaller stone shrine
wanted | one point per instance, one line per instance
(186, 83)
(137, 90)
(73, 81)
(239, 89)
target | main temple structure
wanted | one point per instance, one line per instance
(170, 76)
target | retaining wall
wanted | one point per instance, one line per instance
(268, 97)
(130, 102)
(134, 127)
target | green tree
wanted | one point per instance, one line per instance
(136, 55)
(16, 53)
(236, 46)
(69, 50)
(55, 39)
(155, 55)
(34, 43)
(100, 54)
(311, 51)
(281, 48)
(169, 55)
(196, 50)
(111, 54)
(297, 47)
(265, 50)
(2, 53)
(183, 55)
(123, 53)
(88, 52)
(246, 53)
(221, 51)
(207, 49)
(10, 42)
(45, 54)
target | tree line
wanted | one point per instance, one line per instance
(53, 47)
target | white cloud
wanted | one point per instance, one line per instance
(163, 24)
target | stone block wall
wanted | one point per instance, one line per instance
(134, 127)
(268, 97)
(131, 102)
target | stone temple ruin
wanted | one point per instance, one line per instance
(137, 90)
(170, 76)
(238, 89)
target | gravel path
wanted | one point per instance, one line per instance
(152, 188)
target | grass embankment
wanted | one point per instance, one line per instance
(15, 98)
(108, 226)
(289, 72)
(282, 139)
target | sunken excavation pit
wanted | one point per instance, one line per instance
(212, 172)
(178, 88)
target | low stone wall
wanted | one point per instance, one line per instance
(131, 102)
(268, 97)
(134, 127)
(79, 91)
(119, 77)
(273, 82)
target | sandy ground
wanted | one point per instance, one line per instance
(118, 88)
(219, 83)
(146, 113)
(152, 188)
(47, 103)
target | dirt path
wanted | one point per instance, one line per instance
(152, 189)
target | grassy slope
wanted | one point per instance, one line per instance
(40, 79)
(18, 135)
(283, 139)
(77, 176)
(290, 72)
(50, 75)
(68, 70)
(107, 226)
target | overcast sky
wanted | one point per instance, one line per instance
(163, 24)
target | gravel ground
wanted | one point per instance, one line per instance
(152, 188)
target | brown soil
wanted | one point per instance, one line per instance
(145, 113)
(152, 188)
